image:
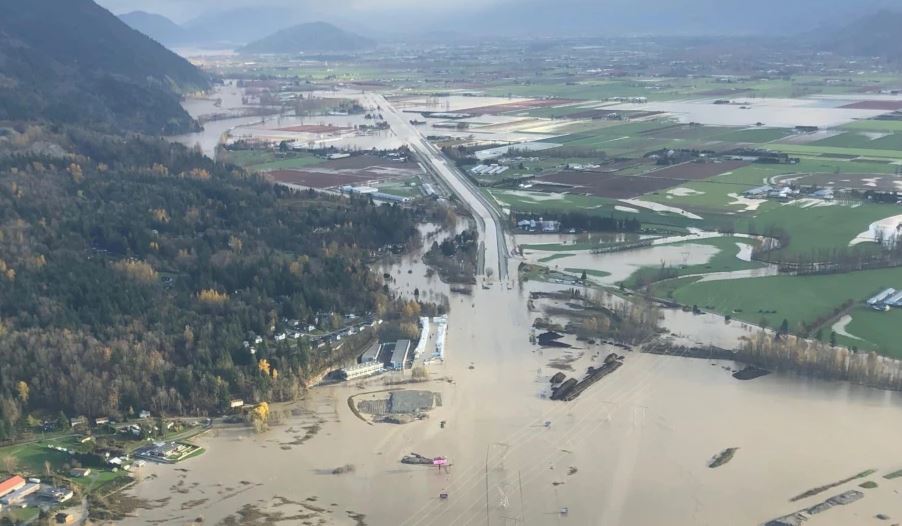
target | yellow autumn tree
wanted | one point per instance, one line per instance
(6, 270)
(160, 215)
(159, 169)
(23, 391)
(76, 173)
(263, 365)
(411, 310)
(212, 297)
(199, 173)
(235, 243)
(140, 271)
(260, 416)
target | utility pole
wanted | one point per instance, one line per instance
(488, 519)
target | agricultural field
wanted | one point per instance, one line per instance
(618, 186)
(540, 202)
(356, 170)
(662, 89)
(266, 160)
(755, 135)
(654, 89)
(866, 140)
(406, 187)
(875, 125)
(812, 150)
(814, 228)
(798, 299)
(873, 330)
(34, 458)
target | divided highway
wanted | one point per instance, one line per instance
(491, 230)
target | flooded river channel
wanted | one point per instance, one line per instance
(633, 449)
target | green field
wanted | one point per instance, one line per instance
(879, 330)
(653, 89)
(535, 202)
(808, 149)
(409, 187)
(893, 141)
(799, 299)
(875, 125)
(818, 227)
(588, 271)
(756, 135)
(264, 161)
(636, 139)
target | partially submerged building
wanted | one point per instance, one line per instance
(371, 354)
(441, 330)
(399, 355)
(361, 370)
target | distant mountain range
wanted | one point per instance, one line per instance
(74, 62)
(252, 30)
(878, 35)
(157, 27)
(312, 37)
(236, 27)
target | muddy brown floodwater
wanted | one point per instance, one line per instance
(633, 449)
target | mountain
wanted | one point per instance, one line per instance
(237, 27)
(871, 36)
(312, 37)
(157, 27)
(655, 17)
(74, 62)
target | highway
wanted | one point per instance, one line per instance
(488, 218)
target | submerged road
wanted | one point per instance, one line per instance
(488, 218)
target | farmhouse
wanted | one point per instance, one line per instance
(11, 484)
(17, 497)
(531, 225)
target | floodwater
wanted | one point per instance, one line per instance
(633, 449)
(779, 113)
(621, 265)
(671, 251)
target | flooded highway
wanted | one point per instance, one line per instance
(643, 435)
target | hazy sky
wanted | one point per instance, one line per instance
(537, 17)
(181, 10)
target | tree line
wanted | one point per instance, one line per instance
(132, 271)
